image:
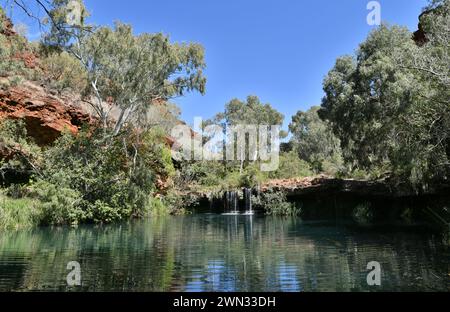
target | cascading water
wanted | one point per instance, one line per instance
(248, 201)
(231, 202)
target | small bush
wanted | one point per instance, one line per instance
(18, 213)
(157, 207)
(291, 166)
(177, 204)
(63, 72)
(275, 203)
(58, 205)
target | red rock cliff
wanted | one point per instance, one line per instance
(45, 115)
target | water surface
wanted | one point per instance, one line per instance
(209, 252)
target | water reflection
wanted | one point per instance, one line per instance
(223, 253)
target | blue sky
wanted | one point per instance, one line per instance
(279, 50)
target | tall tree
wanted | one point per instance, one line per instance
(313, 138)
(126, 73)
(248, 112)
(135, 72)
(389, 105)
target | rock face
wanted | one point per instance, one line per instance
(7, 28)
(420, 35)
(45, 115)
(323, 185)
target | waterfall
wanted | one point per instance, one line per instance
(231, 202)
(248, 200)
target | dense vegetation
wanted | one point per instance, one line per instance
(385, 113)
(110, 170)
(389, 104)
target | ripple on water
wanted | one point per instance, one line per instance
(223, 253)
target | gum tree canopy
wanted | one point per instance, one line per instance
(134, 72)
(389, 104)
(127, 70)
(312, 138)
(248, 112)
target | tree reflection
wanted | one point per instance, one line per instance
(222, 253)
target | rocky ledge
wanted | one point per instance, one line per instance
(45, 115)
(324, 185)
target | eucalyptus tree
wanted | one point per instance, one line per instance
(313, 138)
(389, 104)
(111, 168)
(130, 71)
(135, 72)
(244, 113)
(126, 73)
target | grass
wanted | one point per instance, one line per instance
(18, 214)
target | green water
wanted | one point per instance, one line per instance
(224, 253)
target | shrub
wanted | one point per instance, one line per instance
(90, 177)
(157, 207)
(11, 49)
(103, 180)
(291, 166)
(57, 205)
(275, 203)
(63, 72)
(155, 152)
(18, 213)
(178, 203)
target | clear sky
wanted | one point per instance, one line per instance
(279, 50)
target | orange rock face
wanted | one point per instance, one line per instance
(45, 116)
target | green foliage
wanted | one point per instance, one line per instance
(11, 50)
(134, 72)
(389, 104)
(13, 132)
(63, 72)
(275, 203)
(155, 153)
(24, 154)
(252, 111)
(291, 166)
(212, 176)
(315, 142)
(157, 207)
(107, 174)
(88, 179)
(18, 213)
(177, 203)
(58, 205)
(252, 176)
